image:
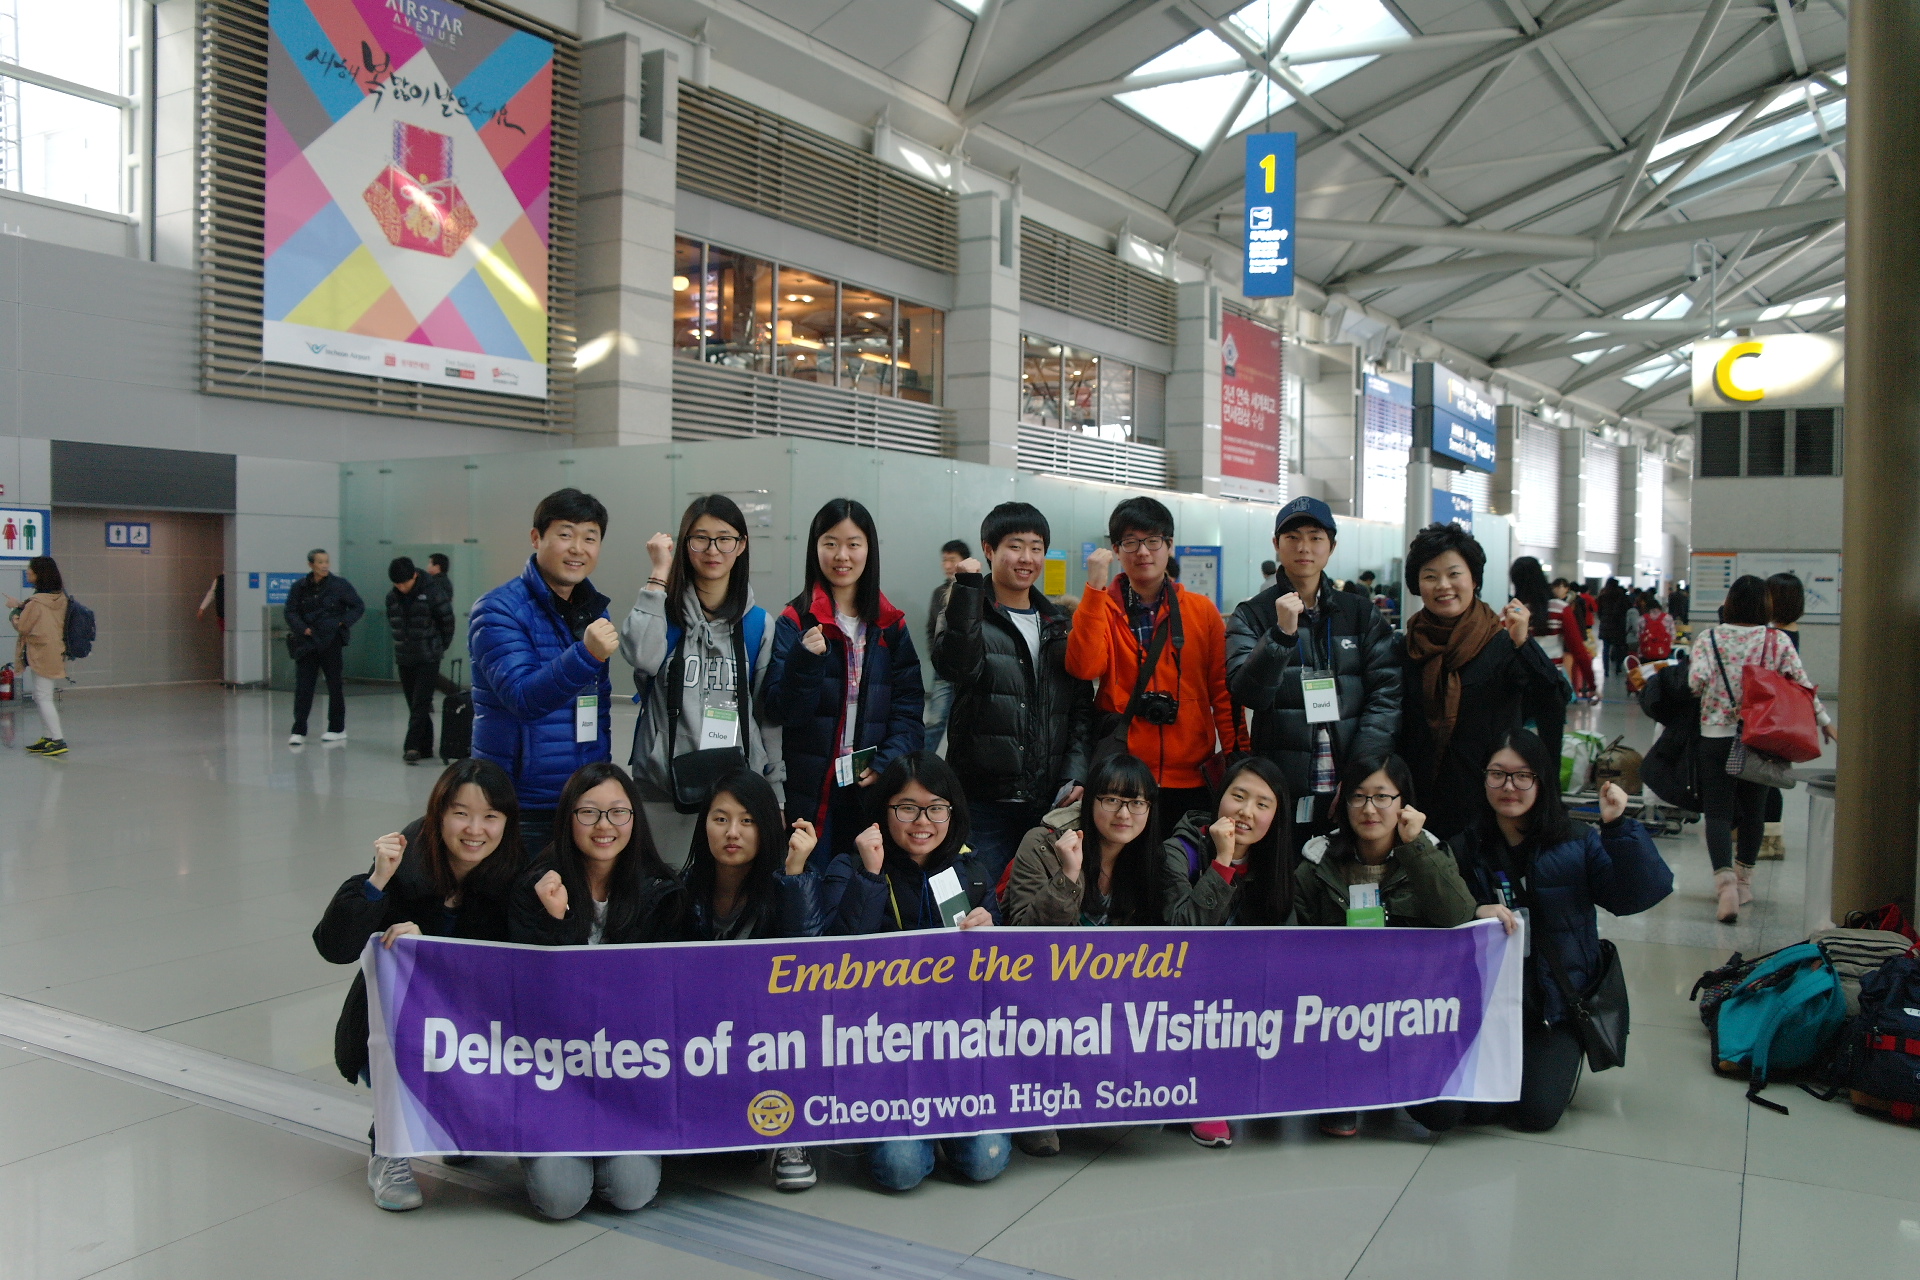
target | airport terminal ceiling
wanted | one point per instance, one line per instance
(1571, 190)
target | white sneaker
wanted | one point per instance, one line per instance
(296, 739)
(331, 736)
(392, 1184)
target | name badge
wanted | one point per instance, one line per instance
(1322, 695)
(586, 717)
(719, 727)
(1363, 907)
(1303, 808)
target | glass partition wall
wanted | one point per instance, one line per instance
(747, 313)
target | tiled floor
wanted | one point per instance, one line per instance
(165, 876)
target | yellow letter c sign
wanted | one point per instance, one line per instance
(1723, 372)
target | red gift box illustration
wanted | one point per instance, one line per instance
(415, 200)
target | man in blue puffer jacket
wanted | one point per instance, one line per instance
(542, 695)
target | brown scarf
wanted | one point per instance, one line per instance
(1442, 646)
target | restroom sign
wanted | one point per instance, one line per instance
(25, 532)
(130, 534)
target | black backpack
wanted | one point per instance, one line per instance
(1879, 1059)
(80, 631)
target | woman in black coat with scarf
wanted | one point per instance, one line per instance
(1468, 671)
(447, 875)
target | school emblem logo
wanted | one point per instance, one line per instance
(770, 1114)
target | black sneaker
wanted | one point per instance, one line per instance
(792, 1171)
(1038, 1142)
(57, 747)
(35, 748)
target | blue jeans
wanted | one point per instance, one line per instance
(939, 703)
(998, 827)
(904, 1164)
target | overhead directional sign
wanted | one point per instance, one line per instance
(1453, 418)
(1267, 250)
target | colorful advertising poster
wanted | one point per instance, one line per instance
(1249, 409)
(408, 150)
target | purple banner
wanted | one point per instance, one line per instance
(495, 1049)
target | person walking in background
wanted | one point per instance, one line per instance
(1786, 603)
(40, 652)
(940, 693)
(1720, 656)
(421, 621)
(1612, 606)
(1269, 572)
(1656, 630)
(1570, 617)
(540, 645)
(1296, 632)
(700, 646)
(321, 609)
(1678, 600)
(1020, 720)
(1143, 630)
(1469, 672)
(844, 680)
(1525, 853)
(216, 600)
(1542, 707)
(437, 569)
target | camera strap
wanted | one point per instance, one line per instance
(1150, 661)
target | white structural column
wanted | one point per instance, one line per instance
(627, 133)
(1193, 390)
(1628, 558)
(983, 331)
(175, 229)
(1569, 558)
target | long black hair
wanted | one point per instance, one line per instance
(1343, 841)
(866, 594)
(1548, 822)
(725, 509)
(631, 890)
(496, 871)
(1134, 896)
(938, 777)
(46, 575)
(754, 794)
(1268, 898)
(1529, 583)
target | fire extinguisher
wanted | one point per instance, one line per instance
(6, 683)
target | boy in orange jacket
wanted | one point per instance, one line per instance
(1185, 714)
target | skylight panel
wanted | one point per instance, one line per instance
(1192, 111)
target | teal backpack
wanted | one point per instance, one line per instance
(1783, 1014)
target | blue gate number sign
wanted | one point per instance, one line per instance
(1267, 251)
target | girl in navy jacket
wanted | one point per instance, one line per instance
(844, 679)
(1526, 852)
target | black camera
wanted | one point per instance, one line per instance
(1158, 708)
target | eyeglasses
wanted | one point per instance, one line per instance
(1358, 801)
(934, 813)
(1132, 804)
(1498, 778)
(1133, 545)
(726, 544)
(589, 817)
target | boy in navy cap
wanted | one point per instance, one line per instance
(1296, 631)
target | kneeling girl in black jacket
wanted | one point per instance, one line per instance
(601, 880)
(448, 875)
(1527, 853)
(882, 887)
(743, 881)
(1232, 867)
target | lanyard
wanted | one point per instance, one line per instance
(1302, 639)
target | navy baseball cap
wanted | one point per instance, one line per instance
(1305, 510)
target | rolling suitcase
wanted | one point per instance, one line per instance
(456, 721)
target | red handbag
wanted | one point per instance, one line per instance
(1776, 713)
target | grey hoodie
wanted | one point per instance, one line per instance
(710, 681)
